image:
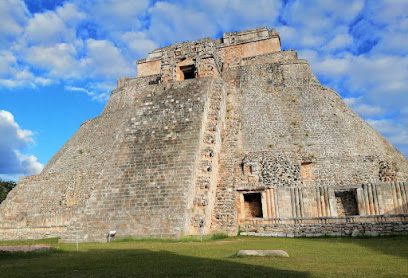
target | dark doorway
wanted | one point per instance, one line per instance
(188, 71)
(253, 205)
(346, 203)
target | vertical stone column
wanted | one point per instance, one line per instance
(296, 198)
(302, 209)
(394, 198)
(264, 201)
(318, 204)
(404, 194)
(370, 198)
(322, 201)
(242, 206)
(362, 210)
(332, 202)
(297, 201)
(398, 194)
(271, 203)
(268, 213)
(325, 201)
(380, 199)
(292, 202)
(276, 202)
(366, 200)
(375, 199)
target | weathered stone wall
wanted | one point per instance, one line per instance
(144, 150)
(146, 68)
(339, 226)
(292, 132)
(234, 53)
(151, 178)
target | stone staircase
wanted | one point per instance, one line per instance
(207, 172)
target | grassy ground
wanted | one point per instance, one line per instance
(322, 257)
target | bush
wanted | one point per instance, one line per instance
(5, 188)
(219, 236)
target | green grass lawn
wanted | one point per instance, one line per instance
(319, 257)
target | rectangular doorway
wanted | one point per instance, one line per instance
(346, 202)
(253, 205)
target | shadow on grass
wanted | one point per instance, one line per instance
(132, 263)
(388, 245)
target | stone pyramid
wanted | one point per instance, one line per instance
(228, 134)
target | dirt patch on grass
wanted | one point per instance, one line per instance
(25, 248)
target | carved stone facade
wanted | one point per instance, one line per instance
(230, 135)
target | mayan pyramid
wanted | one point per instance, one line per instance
(217, 135)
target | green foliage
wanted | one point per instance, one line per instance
(219, 235)
(188, 238)
(5, 188)
(48, 241)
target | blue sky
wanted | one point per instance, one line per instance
(59, 60)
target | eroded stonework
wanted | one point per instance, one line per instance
(224, 135)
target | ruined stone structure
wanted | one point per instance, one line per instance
(230, 135)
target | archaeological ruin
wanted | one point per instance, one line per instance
(226, 135)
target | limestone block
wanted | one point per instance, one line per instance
(263, 253)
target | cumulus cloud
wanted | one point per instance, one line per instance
(113, 15)
(52, 27)
(171, 22)
(13, 75)
(318, 24)
(49, 48)
(362, 108)
(13, 141)
(104, 59)
(13, 14)
(382, 79)
(59, 60)
(139, 43)
(228, 14)
(396, 132)
(98, 91)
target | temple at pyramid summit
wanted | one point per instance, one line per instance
(228, 135)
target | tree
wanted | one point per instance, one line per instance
(5, 188)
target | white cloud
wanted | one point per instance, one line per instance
(94, 92)
(228, 14)
(59, 60)
(104, 59)
(138, 42)
(114, 15)
(319, 23)
(171, 22)
(381, 79)
(391, 11)
(70, 14)
(13, 14)
(339, 41)
(397, 133)
(23, 78)
(322, 14)
(52, 27)
(7, 62)
(363, 109)
(98, 59)
(13, 141)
